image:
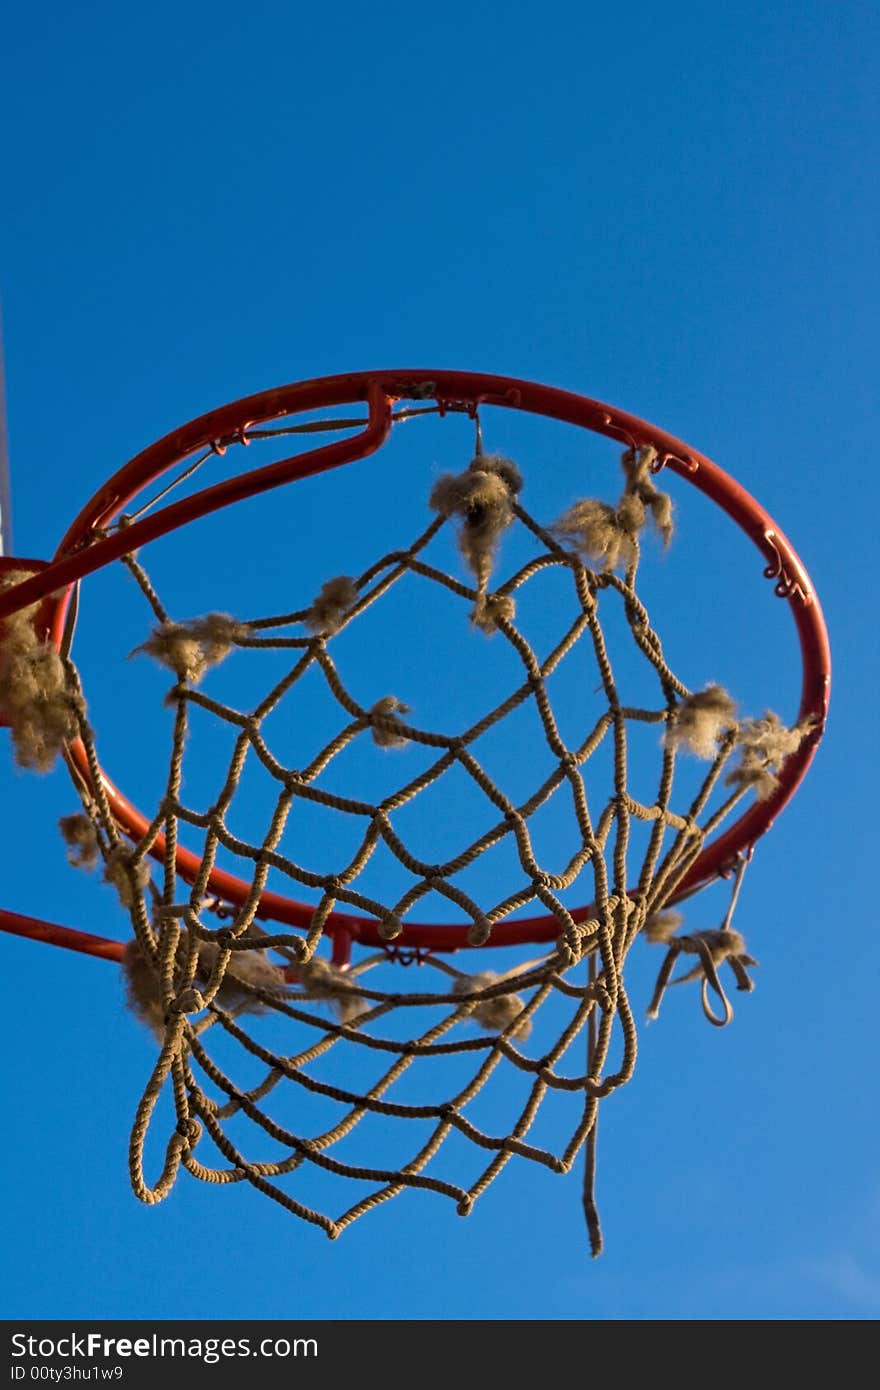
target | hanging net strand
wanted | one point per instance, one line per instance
(714, 947)
(559, 1028)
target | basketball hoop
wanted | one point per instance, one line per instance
(262, 957)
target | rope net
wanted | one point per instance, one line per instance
(410, 1064)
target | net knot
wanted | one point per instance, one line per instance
(189, 1130)
(129, 876)
(600, 994)
(490, 610)
(764, 746)
(640, 488)
(332, 606)
(40, 704)
(609, 536)
(386, 727)
(570, 945)
(390, 927)
(189, 1001)
(189, 649)
(483, 498)
(81, 838)
(479, 931)
(700, 720)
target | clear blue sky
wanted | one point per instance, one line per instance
(671, 207)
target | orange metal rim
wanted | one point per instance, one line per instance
(88, 546)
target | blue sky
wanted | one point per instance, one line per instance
(668, 207)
